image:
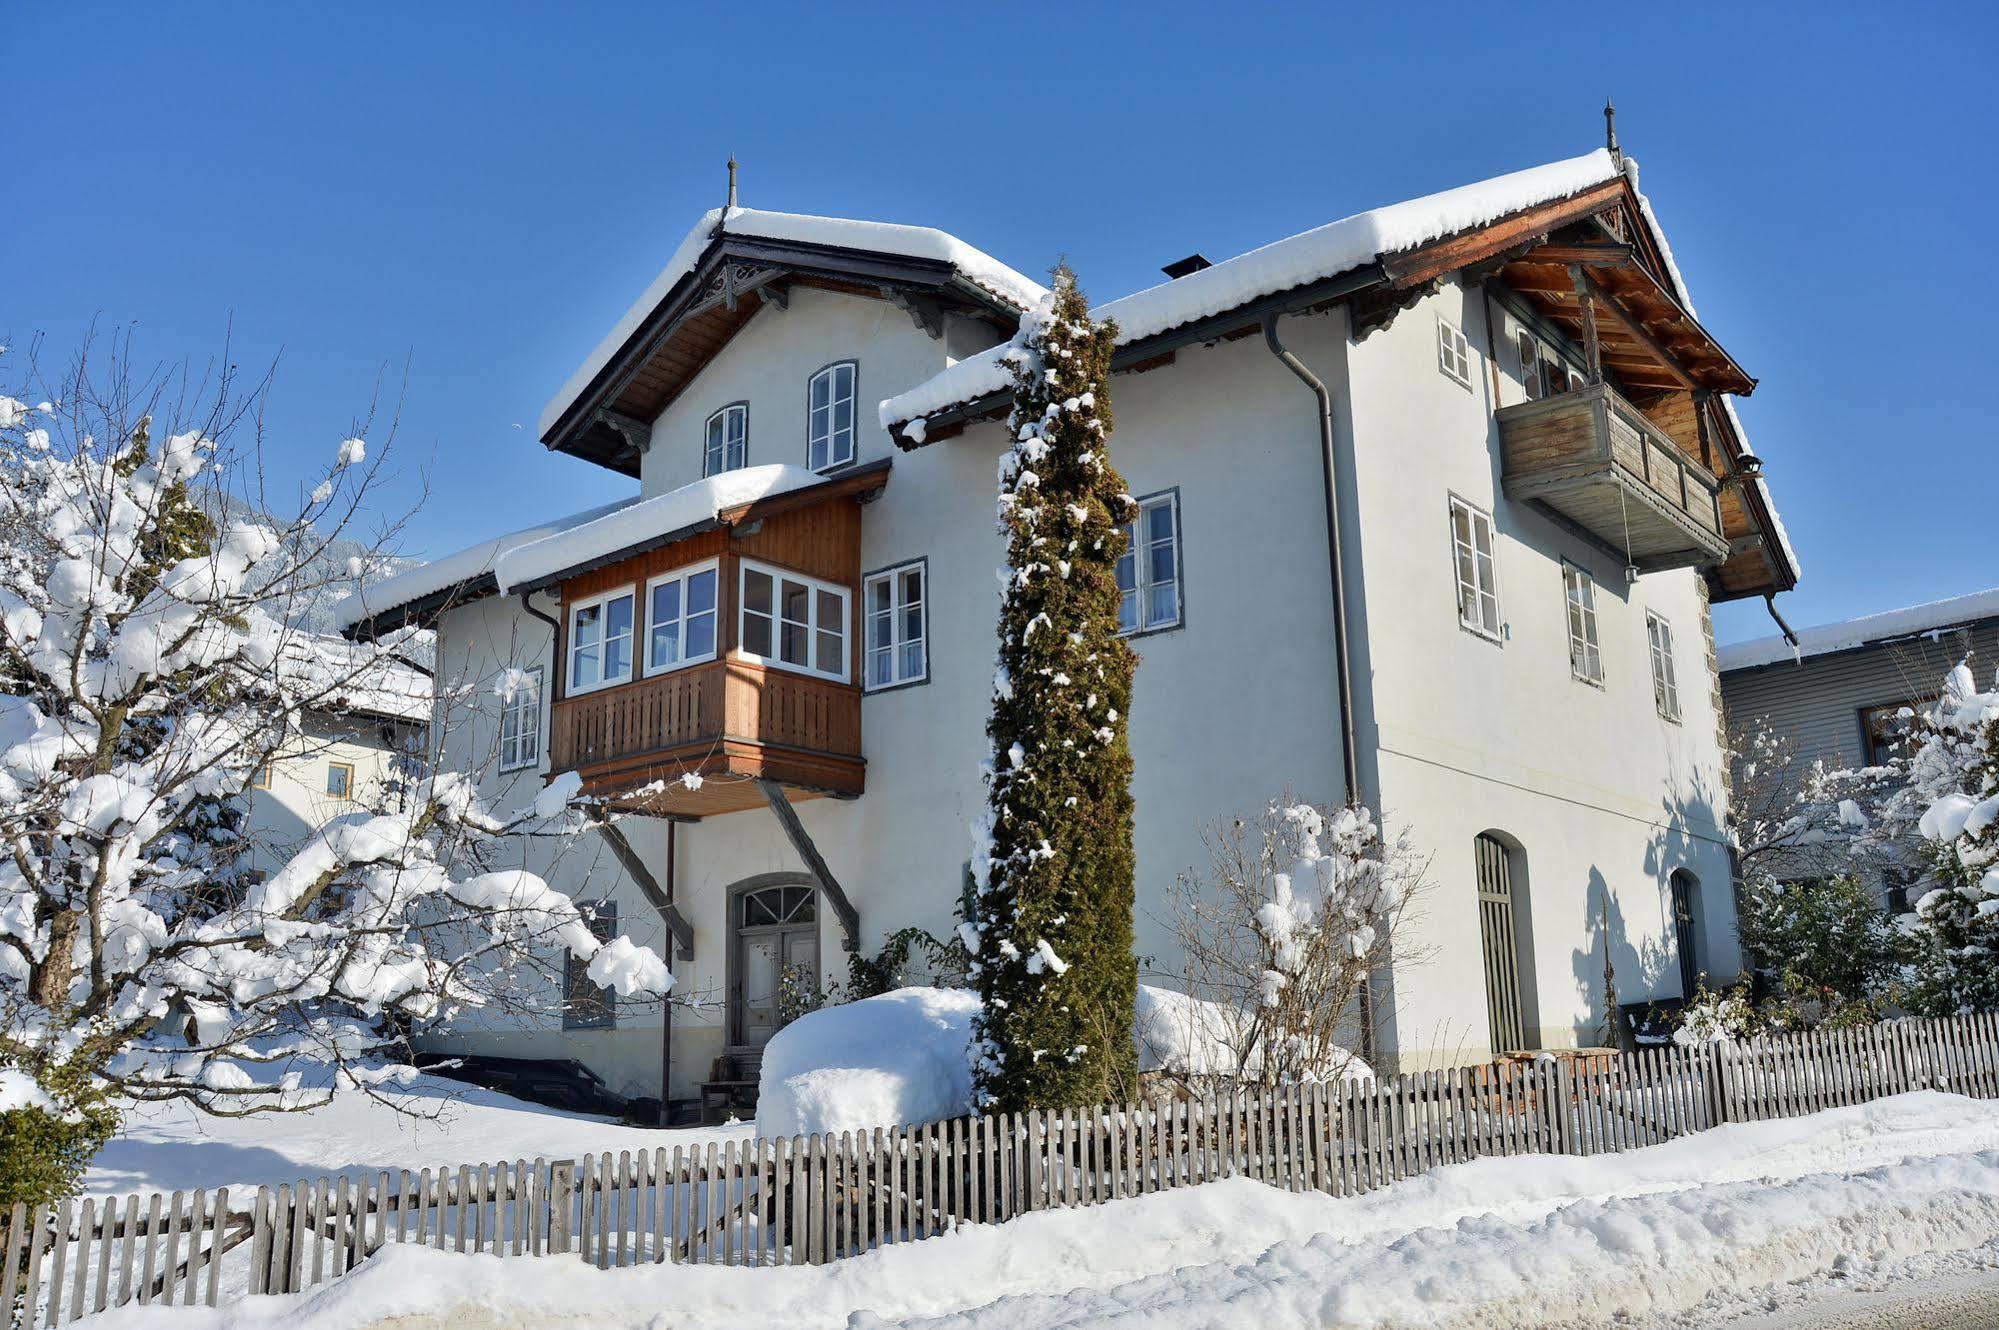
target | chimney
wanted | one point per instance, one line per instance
(1182, 267)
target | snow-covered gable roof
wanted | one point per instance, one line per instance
(917, 242)
(465, 572)
(1310, 256)
(1888, 626)
(662, 516)
(354, 680)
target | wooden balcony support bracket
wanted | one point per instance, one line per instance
(1637, 331)
(635, 868)
(794, 830)
(1592, 344)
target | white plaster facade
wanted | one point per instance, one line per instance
(1599, 797)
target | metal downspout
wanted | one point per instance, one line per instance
(1335, 559)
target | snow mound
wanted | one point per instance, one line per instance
(645, 520)
(885, 1061)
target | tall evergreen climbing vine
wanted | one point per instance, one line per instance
(1051, 932)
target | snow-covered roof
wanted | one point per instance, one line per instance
(1912, 621)
(916, 242)
(356, 679)
(524, 564)
(453, 570)
(1310, 256)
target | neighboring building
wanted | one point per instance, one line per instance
(1540, 487)
(359, 751)
(1843, 694)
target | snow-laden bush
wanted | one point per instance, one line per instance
(1952, 797)
(149, 667)
(883, 1061)
(1281, 936)
(1714, 1016)
(1829, 945)
(1194, 1042)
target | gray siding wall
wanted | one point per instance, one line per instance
(1818, 701)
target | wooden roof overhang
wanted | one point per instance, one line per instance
(610, 420)
(860, 483)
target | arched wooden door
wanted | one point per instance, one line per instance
(774, 929)
(1499, 942)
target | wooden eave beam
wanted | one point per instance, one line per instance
(1591, 256)
(1636, 330)
(815, 863)
(1434, 260)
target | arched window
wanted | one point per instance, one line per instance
(727, 445)
(1499, 889)
(829, 417)
(1686, 892)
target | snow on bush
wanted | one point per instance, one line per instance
(902, 1057)
(1192, 1039)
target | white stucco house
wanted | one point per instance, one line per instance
(1434, 502)
(358, 750)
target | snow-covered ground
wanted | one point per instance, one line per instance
(163, 1147)
(1745, 1220)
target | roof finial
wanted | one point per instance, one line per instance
(1609, 132)
(732, 180)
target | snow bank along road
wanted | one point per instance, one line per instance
(1732, 1222)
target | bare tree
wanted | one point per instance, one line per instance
(1279, 940)
(150, 664)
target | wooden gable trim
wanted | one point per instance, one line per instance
(1441, 257)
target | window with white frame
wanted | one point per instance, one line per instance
(600, 641)
(520, 719)
(1585, 655)
(1478, 575)
(1453, 351)
(1665, 682)
(829, 417)
(680, 618)
(728, 443)
(1543, 371)
(793, 621)
(1148, 572)
(898, 648)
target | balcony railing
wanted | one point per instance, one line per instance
(725, 718)
(1595, 460)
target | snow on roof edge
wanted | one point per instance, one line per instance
(1309, 256)
(1848, 634)
(881, 237)
(454, 569)
(633, 523)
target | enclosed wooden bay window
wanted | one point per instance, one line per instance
(714, 657)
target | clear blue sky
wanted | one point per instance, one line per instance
(479, 191)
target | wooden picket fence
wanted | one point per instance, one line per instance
(821, 1198)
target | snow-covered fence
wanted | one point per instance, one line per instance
(820, 1198)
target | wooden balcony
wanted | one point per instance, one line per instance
(728, 721)
(1594, 460)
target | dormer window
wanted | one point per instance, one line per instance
(728, 446)
(829, 417)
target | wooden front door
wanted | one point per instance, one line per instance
(1501, 950)
(776, 941)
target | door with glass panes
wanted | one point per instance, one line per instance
(775, 961)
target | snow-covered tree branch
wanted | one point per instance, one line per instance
(150, 664)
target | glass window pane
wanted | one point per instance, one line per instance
(618, 617)
(701, 592)
(831, 611)
(880, 599)
(879, 662)
(1159, 521)
(756, 634)
(665, 648)
(665, 603)
(1162, 562)
(756, 592)
(699, 638)
(1127, 611)
(791, 643)
(583, 667)
(1127, 571)
(1162, 604)
(587, 624)
(821, 389)
(832, 657)
(795, 601)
